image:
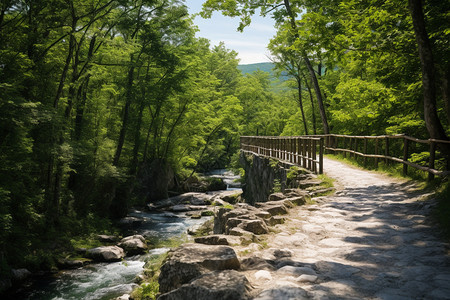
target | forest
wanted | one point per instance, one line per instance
(109, 104)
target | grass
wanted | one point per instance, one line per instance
(149, 289)
(392, 169)
(442, 211)
(327, 182)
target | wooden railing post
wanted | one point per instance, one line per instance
(321, 150)
(376, 153)
(365, 151)
(432, 158)
(314, 155)
(344, 146)
(309, 154)
(386, 151)
(405, 155)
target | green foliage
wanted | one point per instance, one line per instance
(146, 291)
(327, 182)
(276, 186)
(293, 172)
(442, 211)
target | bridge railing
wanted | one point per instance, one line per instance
(307, 151)
(393, 148)
(303, 151)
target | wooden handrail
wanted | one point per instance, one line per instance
(331, 146)
(307, 151)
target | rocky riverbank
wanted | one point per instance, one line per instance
(211, 268)
(370, 240)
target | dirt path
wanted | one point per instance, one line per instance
(371, 240)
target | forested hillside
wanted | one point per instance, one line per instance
(250, 68)
(106, 104)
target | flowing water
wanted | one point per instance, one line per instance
(228, 177)
(110, 280)
(106, 281)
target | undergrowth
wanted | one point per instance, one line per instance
(149, 289)
(442, 211)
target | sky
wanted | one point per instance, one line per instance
(251, 44)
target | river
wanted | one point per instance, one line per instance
(104, 281)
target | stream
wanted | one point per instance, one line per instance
(105, 281)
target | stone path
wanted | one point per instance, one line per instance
(371, 240)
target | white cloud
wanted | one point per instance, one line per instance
(250, 44)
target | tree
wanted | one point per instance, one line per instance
(280, 12)
(432, 121)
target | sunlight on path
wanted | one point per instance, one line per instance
(371, 240)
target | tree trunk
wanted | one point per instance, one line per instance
(300, 101)
(446, 94)
(125, 117)
(137, 139)
(313, 111)
(315, 82)
(434, 126)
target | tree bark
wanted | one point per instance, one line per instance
(313, 111)
(323, 115)
(300, 101)
(433, 124)
(125, 117)
(312, 73)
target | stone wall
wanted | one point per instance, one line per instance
(263, 176)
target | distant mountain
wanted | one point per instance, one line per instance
(276, 83)
(250, 68)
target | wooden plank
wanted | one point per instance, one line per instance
(432, 159)
(321, 157)
(405, 155)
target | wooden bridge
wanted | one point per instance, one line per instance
(308, 151)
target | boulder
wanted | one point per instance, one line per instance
(189, 261)
(160, 204)
(133, 245)
(275, 210)
(228, 284)
(192, 198)
(130, 222)
(218, 239)
(276, 196)
(254, 226)
(226, 219)
(275, 220)
(309, 183)
(300, 200)
(263, 214)
(231, 197)
(124, 297)
(106, 253)
(103, 238)
(246, 236)
(257, 263)
(70, 264)
(20, 274)
(201, 229)
(197, 207)
(180, 208)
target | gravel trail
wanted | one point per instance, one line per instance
(372, 239)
